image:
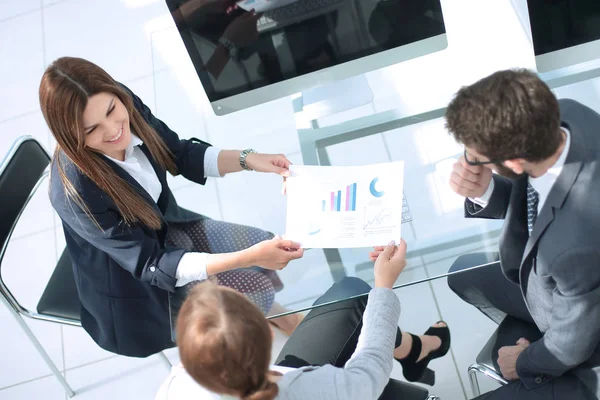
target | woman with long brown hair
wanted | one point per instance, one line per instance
(129, 242)
(343, 350)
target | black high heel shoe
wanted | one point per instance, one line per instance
(415, 371)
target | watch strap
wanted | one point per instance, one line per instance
(229, 46)
(243, 156)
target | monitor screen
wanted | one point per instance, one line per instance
(254, 51)
(564, 32)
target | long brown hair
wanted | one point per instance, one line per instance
(225, 343)
(64, 91)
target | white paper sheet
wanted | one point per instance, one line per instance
(338, 207)
(261, 6)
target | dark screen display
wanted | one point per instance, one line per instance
(297, 39)
(558, 24)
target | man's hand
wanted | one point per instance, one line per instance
(507, 359)
(468, 180)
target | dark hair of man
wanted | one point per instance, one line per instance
(509, 114)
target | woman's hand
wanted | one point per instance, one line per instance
(273, 163)
(389, 264)
(274, 254)
(377, 250)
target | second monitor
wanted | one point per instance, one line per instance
(244, 60)
(564, 32)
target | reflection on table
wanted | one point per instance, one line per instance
(437, 232)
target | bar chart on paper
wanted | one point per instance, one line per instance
(345, 206)
(334, 200)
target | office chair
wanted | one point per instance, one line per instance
(396, 389)
(21, 173)
(508, 332)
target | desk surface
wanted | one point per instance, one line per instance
(405, 281)
(437, 234)
(402, 123)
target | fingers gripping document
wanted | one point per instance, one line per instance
(337, 207)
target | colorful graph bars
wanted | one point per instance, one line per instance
(351, 197)
(335, 200)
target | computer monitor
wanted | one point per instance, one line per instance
(299, 44)
(564, 32)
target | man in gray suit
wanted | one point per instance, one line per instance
(547, 189)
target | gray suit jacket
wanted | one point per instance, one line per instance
(558, 266)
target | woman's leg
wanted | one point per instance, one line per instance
(329, 334)
(210, 236)
(255, 286)
(428, 344)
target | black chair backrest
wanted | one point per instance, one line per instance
(19, 173)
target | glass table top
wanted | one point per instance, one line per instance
(436, 232)
(425, 264)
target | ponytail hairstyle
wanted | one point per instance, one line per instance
(225, 343)
(64, 91)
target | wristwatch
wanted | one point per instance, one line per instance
(243, 156)
(229, 46)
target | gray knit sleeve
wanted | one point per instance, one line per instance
(368, 371)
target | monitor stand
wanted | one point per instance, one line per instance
(335, 97)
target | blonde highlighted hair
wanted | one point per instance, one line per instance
(225, 343)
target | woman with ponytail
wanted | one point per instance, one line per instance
(129, 242)
(341, 351)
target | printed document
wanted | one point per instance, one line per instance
(261, 6)
(337, 207)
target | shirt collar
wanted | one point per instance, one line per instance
(552, 174)
(135, 141)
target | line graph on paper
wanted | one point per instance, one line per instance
(376, 218)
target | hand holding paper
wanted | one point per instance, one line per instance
(389, 264)
(275, 254)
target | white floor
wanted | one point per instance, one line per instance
(136, 42)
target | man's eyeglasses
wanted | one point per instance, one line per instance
(475, 162)
(496, 161)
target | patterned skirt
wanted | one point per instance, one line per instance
(210, 236)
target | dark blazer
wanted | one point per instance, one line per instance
(123, 273)
(558, 267)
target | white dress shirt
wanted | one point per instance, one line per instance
(179, 385)
(542, 184)
(192, 265)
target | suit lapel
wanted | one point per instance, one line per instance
(160, 173)
(162, 178)
(560, 189)
(127, 177)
